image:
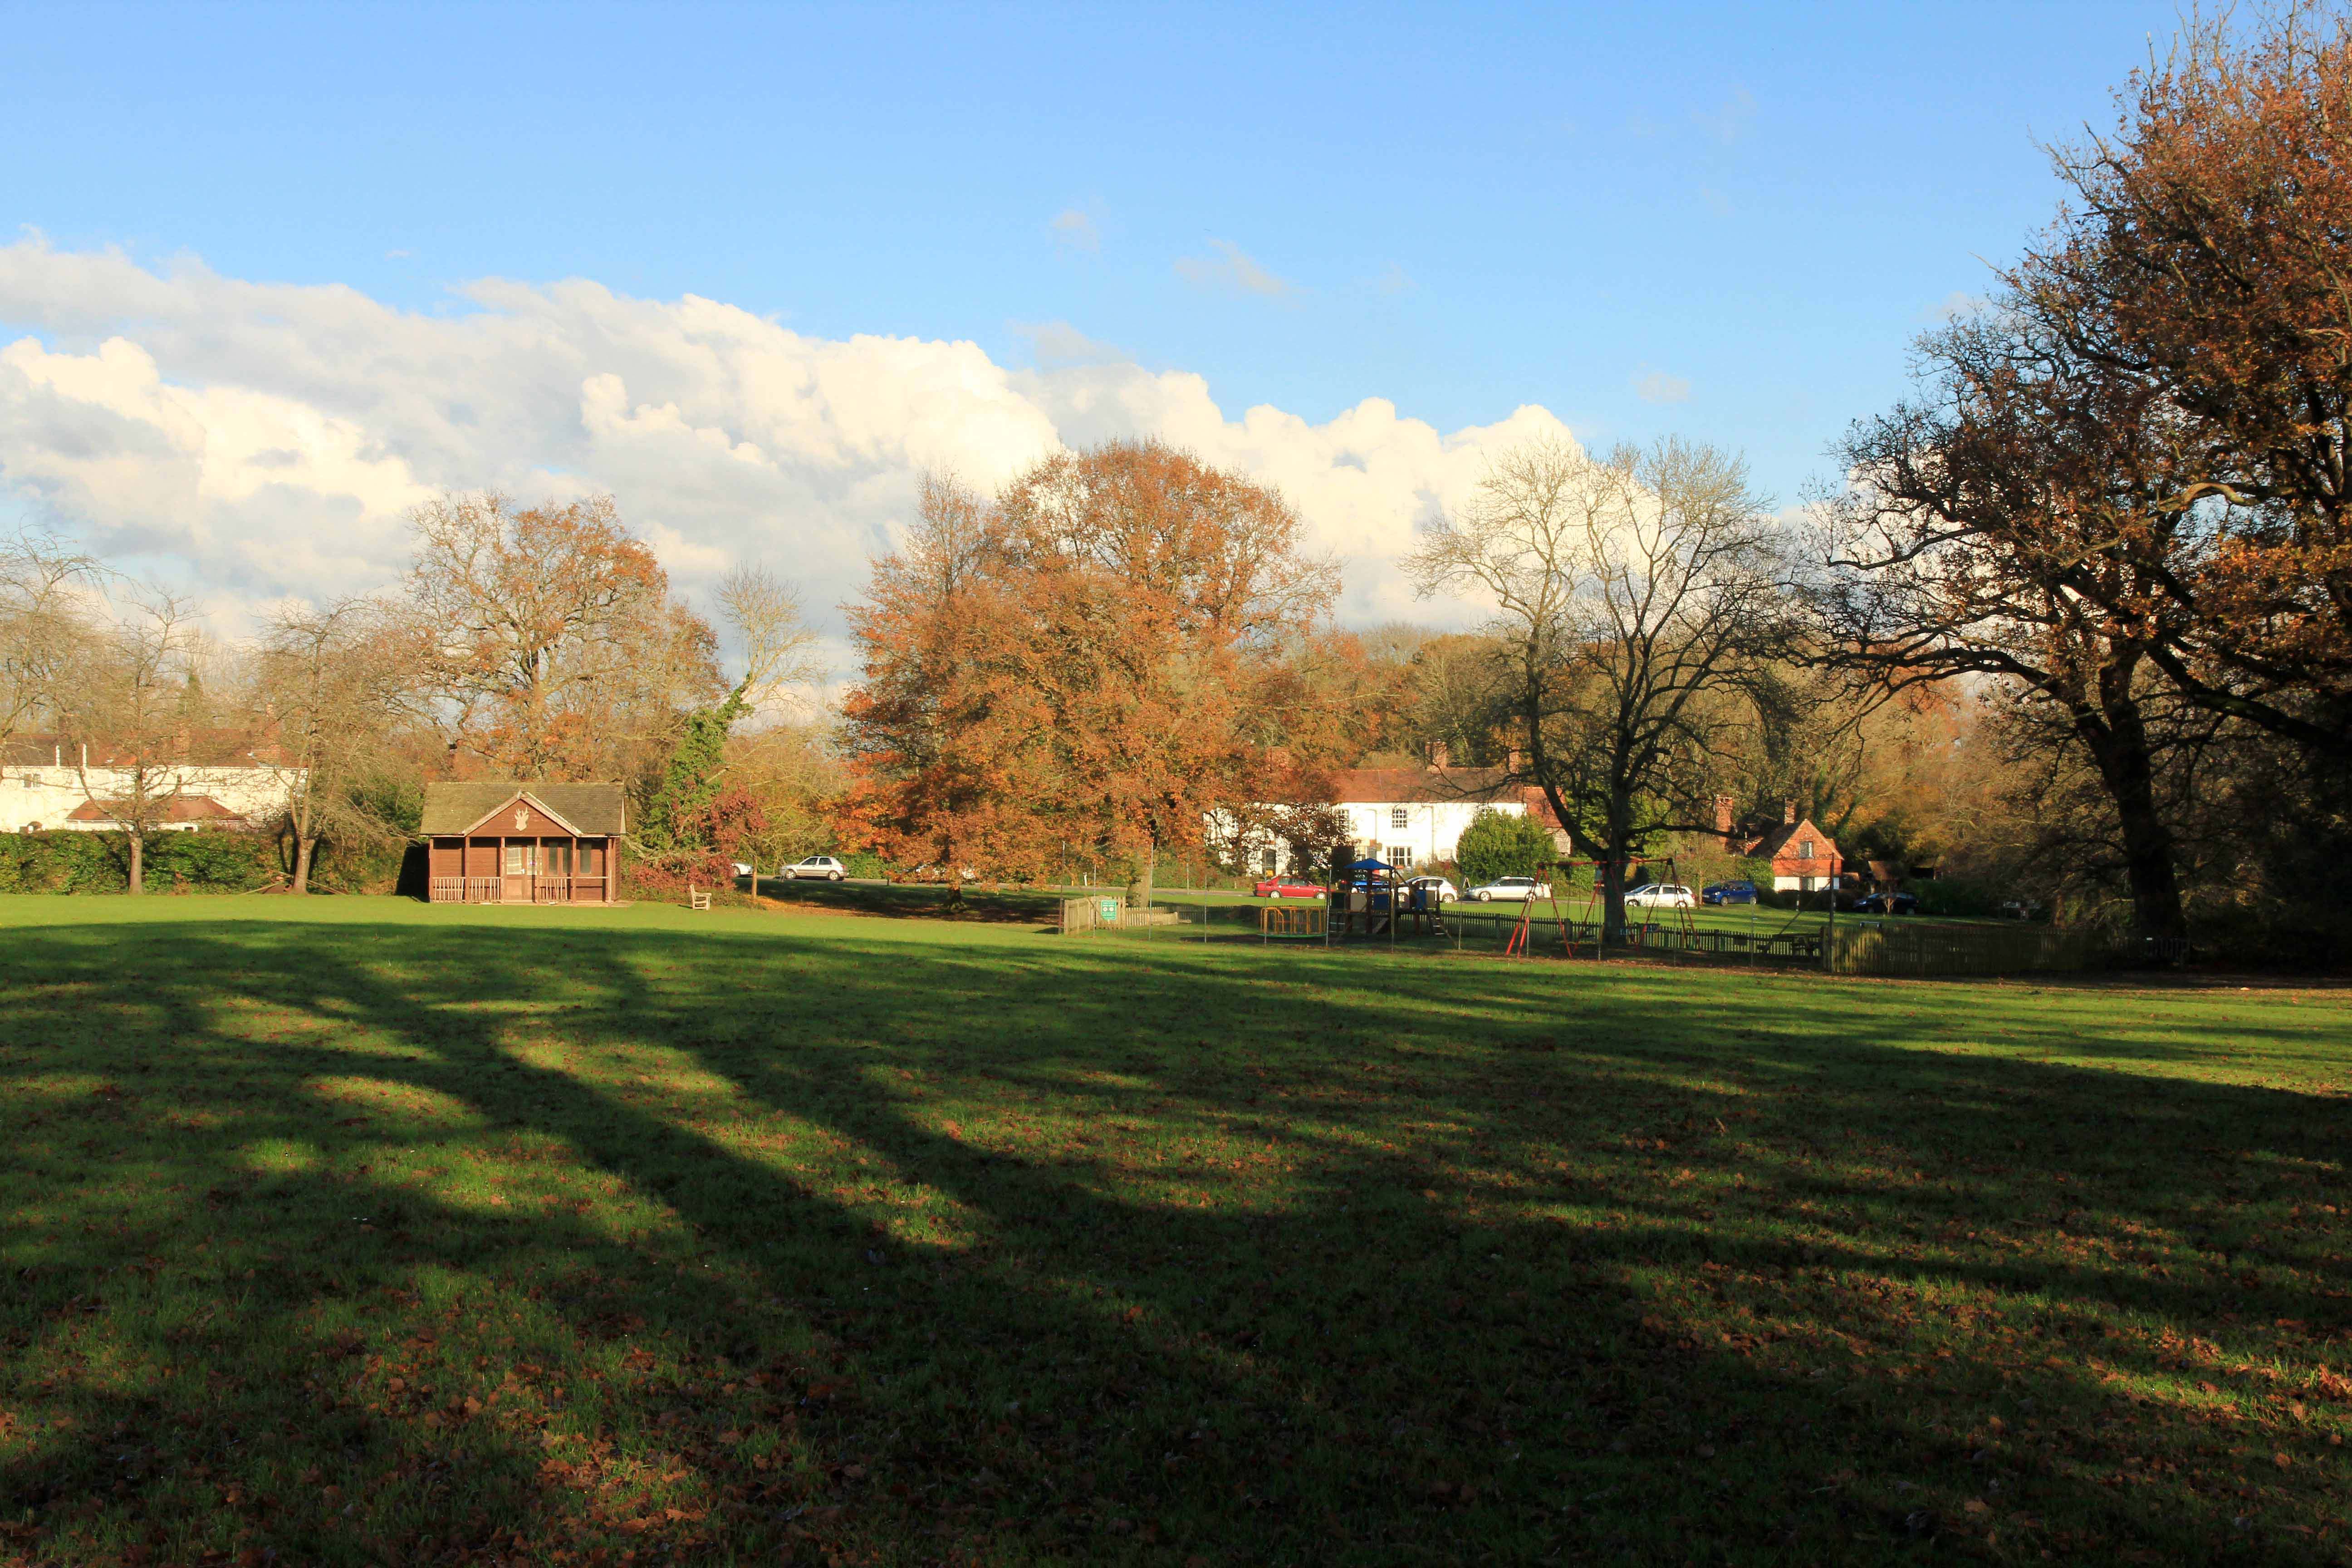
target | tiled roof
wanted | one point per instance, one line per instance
(1384, 786)
(595, 809)
(180, 808)
(1769, 847)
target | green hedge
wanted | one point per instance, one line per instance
(101, 863)
(186, 863)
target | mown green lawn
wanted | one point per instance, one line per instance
(357, 1231)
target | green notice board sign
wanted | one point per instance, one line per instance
(1109, 910)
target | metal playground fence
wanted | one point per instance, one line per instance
(1847, 945)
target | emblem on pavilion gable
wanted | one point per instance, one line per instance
(523, 818)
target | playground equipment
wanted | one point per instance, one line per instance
(1681, 930)
(1371, 899)
(1282, 922)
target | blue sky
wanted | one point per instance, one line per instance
(1723, 220)
(1474, 208)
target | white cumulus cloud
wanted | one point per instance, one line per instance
(270, 440)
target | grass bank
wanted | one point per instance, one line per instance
(364, 1231)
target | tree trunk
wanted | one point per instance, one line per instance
(2120, 748)
(304, 847)
(2124, 763)
(1612, 882)
(138, 861)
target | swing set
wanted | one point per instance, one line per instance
(1677, 931)
(1586, 925)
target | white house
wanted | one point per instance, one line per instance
(1412, 817)
(46, 784)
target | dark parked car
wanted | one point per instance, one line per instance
(1886, 904)
(1728, 893)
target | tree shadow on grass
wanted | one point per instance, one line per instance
(1211, 1259)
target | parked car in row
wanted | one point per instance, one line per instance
(822, 867)
(1439, 889)
(1511, 887)
(1286, 887)
(1661, 896)
(1741, 892)
(1894, 903)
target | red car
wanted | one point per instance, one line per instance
(1286, 887)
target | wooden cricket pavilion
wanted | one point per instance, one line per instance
(523, 843)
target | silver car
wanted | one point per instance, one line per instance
(822, 867)
(1511, 887)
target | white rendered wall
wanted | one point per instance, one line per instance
(50, 795)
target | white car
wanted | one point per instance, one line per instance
(1511, 887)
(823, 868)
(741, 869)
(1661, 896)
(1440, 889)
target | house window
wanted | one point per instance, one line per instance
(522, 859)
(1805, 849)
(1400, 856)
(32, 781)
(1271, 858)
(1396, 817)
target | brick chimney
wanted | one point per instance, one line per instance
(1517, 760)
(1440, 758)
(1723, 819)
(1788, 814)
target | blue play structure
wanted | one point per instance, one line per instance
(1371, 898)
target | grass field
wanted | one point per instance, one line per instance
(359, 1231)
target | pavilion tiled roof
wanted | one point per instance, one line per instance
(595, 810)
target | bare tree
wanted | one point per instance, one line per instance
(1636, 599)
(778, 645)
(45, 625)
(130, 700)
(332, 685)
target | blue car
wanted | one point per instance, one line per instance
(1728, 893)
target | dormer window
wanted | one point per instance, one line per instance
(32, 781)
(1804, 850)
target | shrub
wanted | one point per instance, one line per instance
(866, 865)
(65, 862)
(1498, 844)
(1959, 896)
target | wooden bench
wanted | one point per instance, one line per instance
(697, 898)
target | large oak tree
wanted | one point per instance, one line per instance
(556, 650)
(1636, 598)
(1091, 662)
(2207, 258)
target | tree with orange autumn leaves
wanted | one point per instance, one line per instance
(1086, 664)
(556, 650)
(2203, 268)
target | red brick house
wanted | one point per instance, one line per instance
(1805, 859)
(522, 843)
